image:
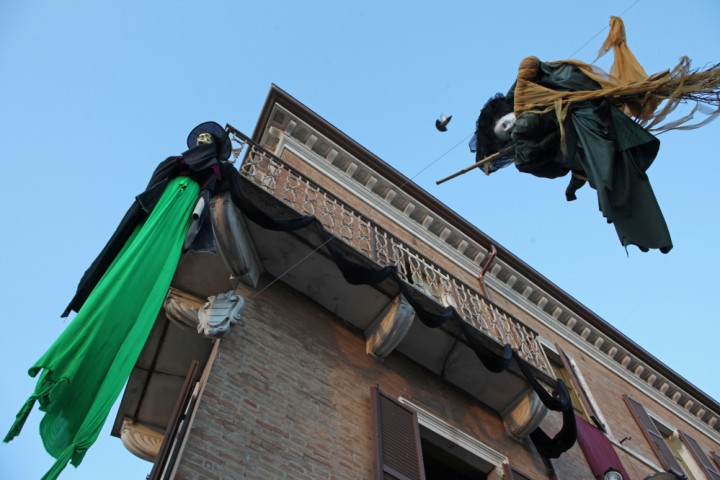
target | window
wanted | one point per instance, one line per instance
(397, 440)
(563, 374)
(710, 470)
(412, 444)
(677, 451)
(442, 460)
(565, 368)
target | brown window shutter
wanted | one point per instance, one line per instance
(585, 402)
(654, 436)
(711, 472)
(165, 454)
(397, 440)
(507, 471)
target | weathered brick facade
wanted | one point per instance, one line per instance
(289, 397)
(289, 392)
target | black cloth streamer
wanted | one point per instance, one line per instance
(217, 176)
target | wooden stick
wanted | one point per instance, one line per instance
(501, 153)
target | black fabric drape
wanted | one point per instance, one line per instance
(492, 361)
(249, 199)
(267, 212)
(558, 401)
(562, 441)
(428, 311)
(199, 163)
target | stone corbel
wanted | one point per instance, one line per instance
(233, 241)
(141, 440)
(182, 308)
(219, 314)
(524, 415)
(389, 328)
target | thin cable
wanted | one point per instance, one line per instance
(569, 56)
(426, 167)
(435, 161)
(292, 267)
(602, 30)
(288, 270)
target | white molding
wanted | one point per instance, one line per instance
(384, 207)
(636, 455)
(588, 394)
(571, 337)
(472, 266)
(458, 437)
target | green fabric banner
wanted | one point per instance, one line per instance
(84, 371)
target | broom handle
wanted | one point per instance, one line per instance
(502, 152)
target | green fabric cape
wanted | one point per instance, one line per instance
(603, 144)
(85, 369)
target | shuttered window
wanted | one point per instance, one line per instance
(654, 436)
(589, 410)
(397, 446)
(562, 372)
(700, 457)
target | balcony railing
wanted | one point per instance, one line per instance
(304, 196)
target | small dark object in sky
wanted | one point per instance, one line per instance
(441, 123)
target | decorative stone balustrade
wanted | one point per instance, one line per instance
(371, 240)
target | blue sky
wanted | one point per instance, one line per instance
(95, 94)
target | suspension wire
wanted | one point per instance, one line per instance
(289, 269)
(569, 56)
(602, 30)
(246, 140)
(243, 140)
(435, 161)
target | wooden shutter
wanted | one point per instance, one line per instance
(397, 440)
(165, 453)
(700, 456)
(654, 436)
(585, 402)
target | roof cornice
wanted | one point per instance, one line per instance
(509, 266)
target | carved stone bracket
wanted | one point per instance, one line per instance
(141, 440)
(219, 314)
(181, 308)
(211, 318)
(389, 328)
(524, 415)
(233, 241)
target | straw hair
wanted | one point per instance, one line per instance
(627, 86)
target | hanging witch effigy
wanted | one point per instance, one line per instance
(571, 117)
(119, 296)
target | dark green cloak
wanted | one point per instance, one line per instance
(602, 144)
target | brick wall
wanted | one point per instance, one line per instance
(289, 397)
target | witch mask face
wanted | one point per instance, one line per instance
(504, 127)
(204, 138)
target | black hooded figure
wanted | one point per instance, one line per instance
(118, 300)
(206, 163)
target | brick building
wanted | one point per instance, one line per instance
(337, 366)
